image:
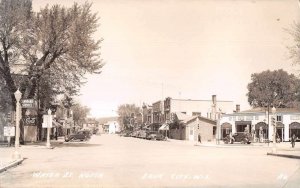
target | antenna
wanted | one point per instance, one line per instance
(162, 91)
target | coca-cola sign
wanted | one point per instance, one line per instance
(29, 121)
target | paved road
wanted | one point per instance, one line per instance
(113, 161)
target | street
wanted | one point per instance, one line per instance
(113, 161)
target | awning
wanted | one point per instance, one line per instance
(295, 125)
(146, 127)
(226, 126)
(56, 124)
(164, 127)
(279, 125)
(261, 125)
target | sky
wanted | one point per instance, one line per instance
(184, 49)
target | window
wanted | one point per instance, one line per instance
(183, 112)
(191, 132)
(196, 113)
(279, 118)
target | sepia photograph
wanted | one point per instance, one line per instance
(149, 93)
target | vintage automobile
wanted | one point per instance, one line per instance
(80, 135)
(154, 135)
(242, 137)
(142, 134)
(125, 133)
(133, 134)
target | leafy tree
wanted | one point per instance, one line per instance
(294, 49)
(4, 98)
(79, 113)
(55, 46)
(270, 88)
(127, 114)
(14, 16)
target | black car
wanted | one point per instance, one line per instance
(154, 135)
(80, 135)
(125, 133)
(242, 137)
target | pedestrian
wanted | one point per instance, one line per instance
(261, 134)
(231, 138)
(199, 138)
(293, 140)
(56, 135)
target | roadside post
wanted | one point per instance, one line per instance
(47, 123)
(9, 131)
(274, 149)
(18, 96)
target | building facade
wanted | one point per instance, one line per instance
(111, 127)
(191, 126)
(205, 108)
(259, 122)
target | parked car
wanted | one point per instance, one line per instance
(126, 133)
(134, 133)
(80, 135)
(154, 135)
(242, 137)
(142, 134)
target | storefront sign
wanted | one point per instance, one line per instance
(9, 131)
(28, 103)
(29, 121)
(47, 121)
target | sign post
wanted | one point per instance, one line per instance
(47, 123)
(18, 96)
(8, 132)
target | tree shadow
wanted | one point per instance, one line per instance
(74, 144)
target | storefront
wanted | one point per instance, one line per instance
(242, 125)
(226, 129)
(294, 129)
(261, 131)
(280, 130)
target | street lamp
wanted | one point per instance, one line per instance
(49, 124)
(18, 96)
(274, 129)
(219, 116)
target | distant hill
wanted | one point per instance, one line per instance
(106, 119)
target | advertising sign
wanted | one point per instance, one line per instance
(9, 131)
(47, 121)
(28, 103)
(29, 120)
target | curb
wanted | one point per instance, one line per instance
(284, 155)
(232, 146)
(12, 164)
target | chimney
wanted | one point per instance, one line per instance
(214, 99)
(238, 108)
(214, 107)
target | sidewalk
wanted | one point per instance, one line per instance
(283, 149)
(6, 163)
(6, 158)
